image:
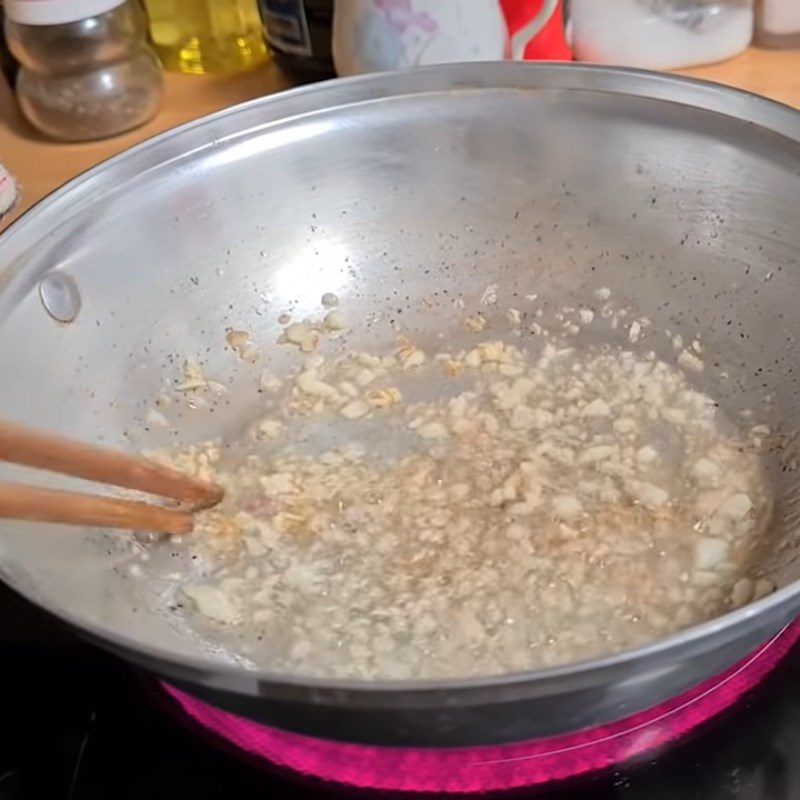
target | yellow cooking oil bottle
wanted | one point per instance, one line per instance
(207, 36)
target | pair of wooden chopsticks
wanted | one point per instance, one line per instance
(45, 451)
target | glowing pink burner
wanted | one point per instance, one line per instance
(495, 767)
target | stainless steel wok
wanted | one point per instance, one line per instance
(681, 196)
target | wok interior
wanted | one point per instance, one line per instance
(399, 206)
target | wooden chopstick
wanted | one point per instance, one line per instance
(18, 501)
(32, 448)
(53, 453)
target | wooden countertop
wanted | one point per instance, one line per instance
(42, 165)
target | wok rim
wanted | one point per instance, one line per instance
(773, 116)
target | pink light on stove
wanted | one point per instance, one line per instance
(494, 767)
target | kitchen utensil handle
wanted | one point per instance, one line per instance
(53, 453)
(18, 501)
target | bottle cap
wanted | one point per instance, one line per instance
(56, 12)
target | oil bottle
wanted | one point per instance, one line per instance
(207, 36)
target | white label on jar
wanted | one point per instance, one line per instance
(287, 26)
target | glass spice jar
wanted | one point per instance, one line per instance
(660, 34)
(778, 23)
(86, 69)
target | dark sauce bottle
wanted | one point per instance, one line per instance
(8, 64)
(299, 35)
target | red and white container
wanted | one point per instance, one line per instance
(536, 30)
(378, 35)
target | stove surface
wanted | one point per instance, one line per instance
(77, 724)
